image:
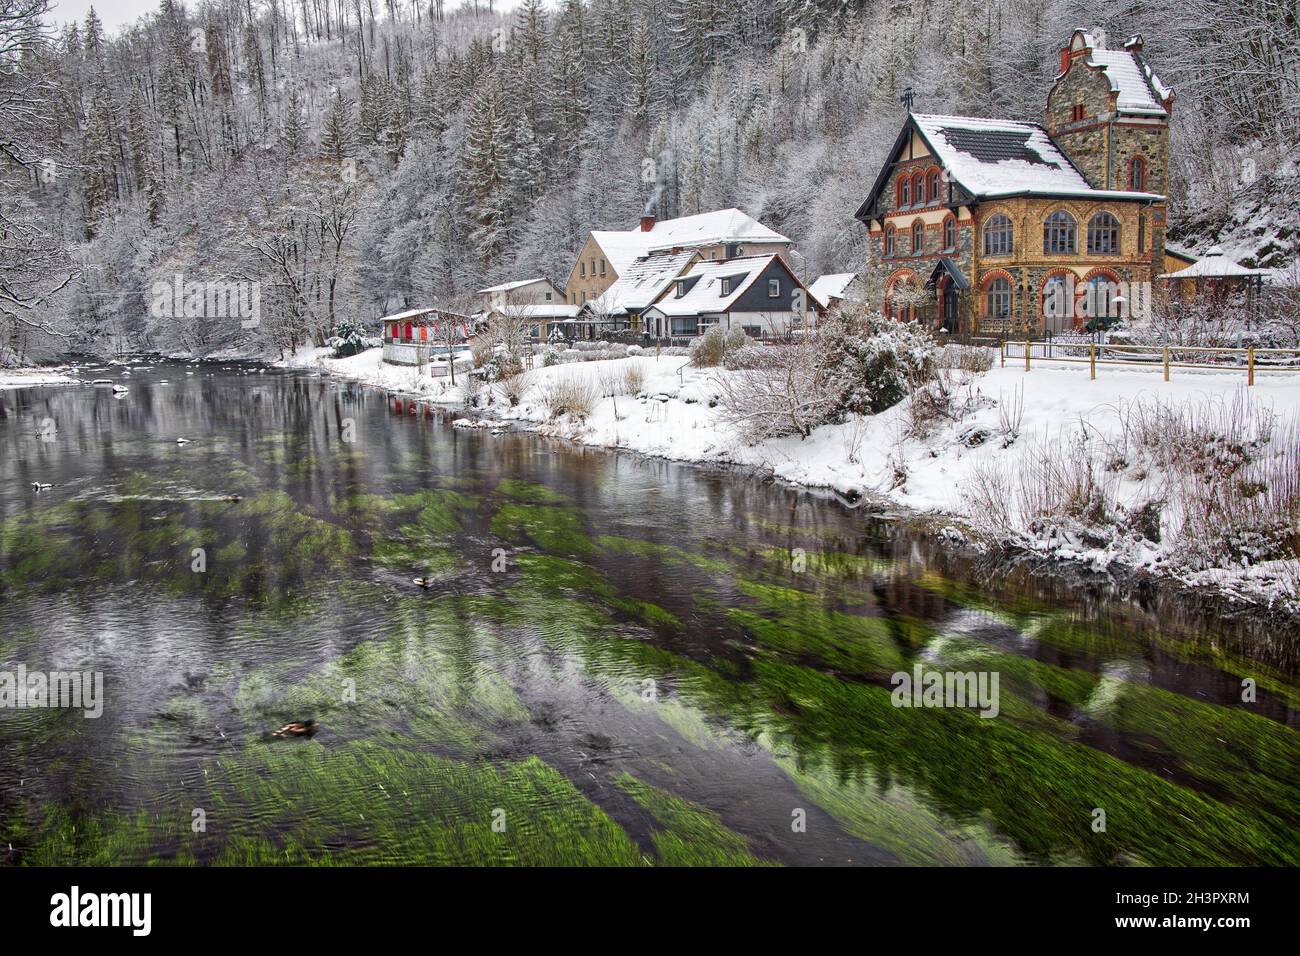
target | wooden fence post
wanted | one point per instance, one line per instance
(1250, 365)
(1092, 361)
(1166, 363)
(1026, 355)
(1003, 350)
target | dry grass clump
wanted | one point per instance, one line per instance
(573, 396)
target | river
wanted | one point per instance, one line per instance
(618, 661)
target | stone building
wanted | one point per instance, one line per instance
(1004, 227)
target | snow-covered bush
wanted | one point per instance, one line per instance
(949, 397)
(711, 349)
(788, 396)
(349, 338)
(481, 349)
(871, 361)
(550, 357)
(633, 379)
(574, 396)
(512, 389)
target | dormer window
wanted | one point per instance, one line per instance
(681, 288)
(726, 286)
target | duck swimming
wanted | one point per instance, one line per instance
(425, 583)
(40, 486)
(297, 728)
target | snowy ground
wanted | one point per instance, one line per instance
(27, 378)
(676, 416)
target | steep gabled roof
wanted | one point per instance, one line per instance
(1134, 82)
(830, 286)
(641, 282)
(623, 247)
(992, 159)
(704, 295)
(1138, 90)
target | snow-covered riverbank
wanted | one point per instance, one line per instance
(31, 377)
(1009, 418)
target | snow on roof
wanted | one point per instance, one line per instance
(408, 314)
(830, 286)
(1214, 265)
(704, 294)
(641, 282)
(509, 286)
(722, 226)
(1132, 79)
(541, 310)
(1005, 158)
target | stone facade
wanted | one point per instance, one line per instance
(1101, 140)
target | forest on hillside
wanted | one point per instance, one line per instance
(352, 157)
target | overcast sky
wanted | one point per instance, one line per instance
(114, 13)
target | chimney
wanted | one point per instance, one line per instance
(647, 223)
(1065, 59)
(1134, 43)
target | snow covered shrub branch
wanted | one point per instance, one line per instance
(514, 388)
(856, 363)
(1213, 484)
(786, 396)
(873, 362)
(572, 395)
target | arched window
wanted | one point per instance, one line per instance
(1058, 301)
(905, 192)
(935, 192)
(1099, 297)
(1059, 233)
(918, 189)
(897, 299)
(949, 234)
(1137, 174)
(997, 236)
(997, 299)
(889, 240)
(918, 237)
(1103, 235)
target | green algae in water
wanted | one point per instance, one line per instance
(797, 624)
(686, 834)
(557, 530)
(892, 816)
(364, 803)
(530, 492)
(550, 574)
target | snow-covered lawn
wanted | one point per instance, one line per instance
(677, 415)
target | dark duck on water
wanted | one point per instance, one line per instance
(297, 728)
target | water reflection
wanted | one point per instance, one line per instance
(634, 660)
